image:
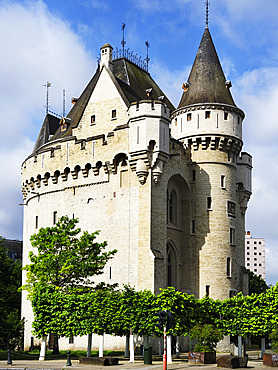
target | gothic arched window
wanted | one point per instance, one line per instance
(173, 207)
(171, 266)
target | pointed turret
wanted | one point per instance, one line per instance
(206, 83)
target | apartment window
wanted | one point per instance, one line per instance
(255, 253)
(255, 242)
(248, 264)
(226, 116)
(260, 242)
(207, 290)
(192, 227)
(209, 203)
(255, 270)
(37, 222)
(114, 114)
(248, 253)
(207, 114)
(93, 119)
(223, 185)
(193, 175)
(255, 248)
(189, 116)
(54, 217)
(233, 236)
(248, 259)
(260, 264)
(248, 242)
(248, 247)
(260, 253)
(255, 259)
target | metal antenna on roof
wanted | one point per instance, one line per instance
(47, 106)
(64, 103)
(207, 4)
(123, 40)
(147, 59)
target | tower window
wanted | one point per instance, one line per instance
(93, 119)
(207, 114)
(193, 175)
(114, 114)
(189, 116)
(226, 115)
(223, 182)
(228, 267)
(209, 203)
(233, 237)
(54, 217)
(37, 222)
(192, 227)
(207, 290)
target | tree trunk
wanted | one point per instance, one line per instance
(56, 345)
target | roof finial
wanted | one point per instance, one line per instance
(147, 59)
(123, 40)
(47, 106)
(207, 4)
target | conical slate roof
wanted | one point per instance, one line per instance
(206, 83)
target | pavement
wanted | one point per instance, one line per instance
(124, 364)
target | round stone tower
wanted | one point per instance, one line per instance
(209, 124)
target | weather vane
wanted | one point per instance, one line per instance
(147, 59)
(123, 41)
(47, 106)
(207, 4)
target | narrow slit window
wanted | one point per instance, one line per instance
(37, 222)
(193, 175)
(207, 290)
(228, 267)
(54, 217)
(93, 119)
(189, 116)
(233, 236)
(209, 203)
(223, 181)
(192, 231)
(207, 114)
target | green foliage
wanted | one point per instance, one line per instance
(59, 279)
(64, 260)
(256, 284)
(274, 339)
(208, 336)
(11, 325)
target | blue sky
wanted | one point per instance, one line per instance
(59, 41)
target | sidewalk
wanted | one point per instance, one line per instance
(178, 364)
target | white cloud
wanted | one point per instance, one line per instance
(36, 47)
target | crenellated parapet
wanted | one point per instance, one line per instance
(244, 180)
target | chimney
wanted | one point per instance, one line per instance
(106, 56)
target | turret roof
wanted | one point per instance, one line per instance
(206, 83)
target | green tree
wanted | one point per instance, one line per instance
(59, 277)
(11, 325)
(256, 284)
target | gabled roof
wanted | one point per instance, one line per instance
(131, 82)
(206, 83)
(49, 127)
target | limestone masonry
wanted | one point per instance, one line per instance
(167, 187)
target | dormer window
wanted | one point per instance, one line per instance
(114, 114)
(207, 114)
